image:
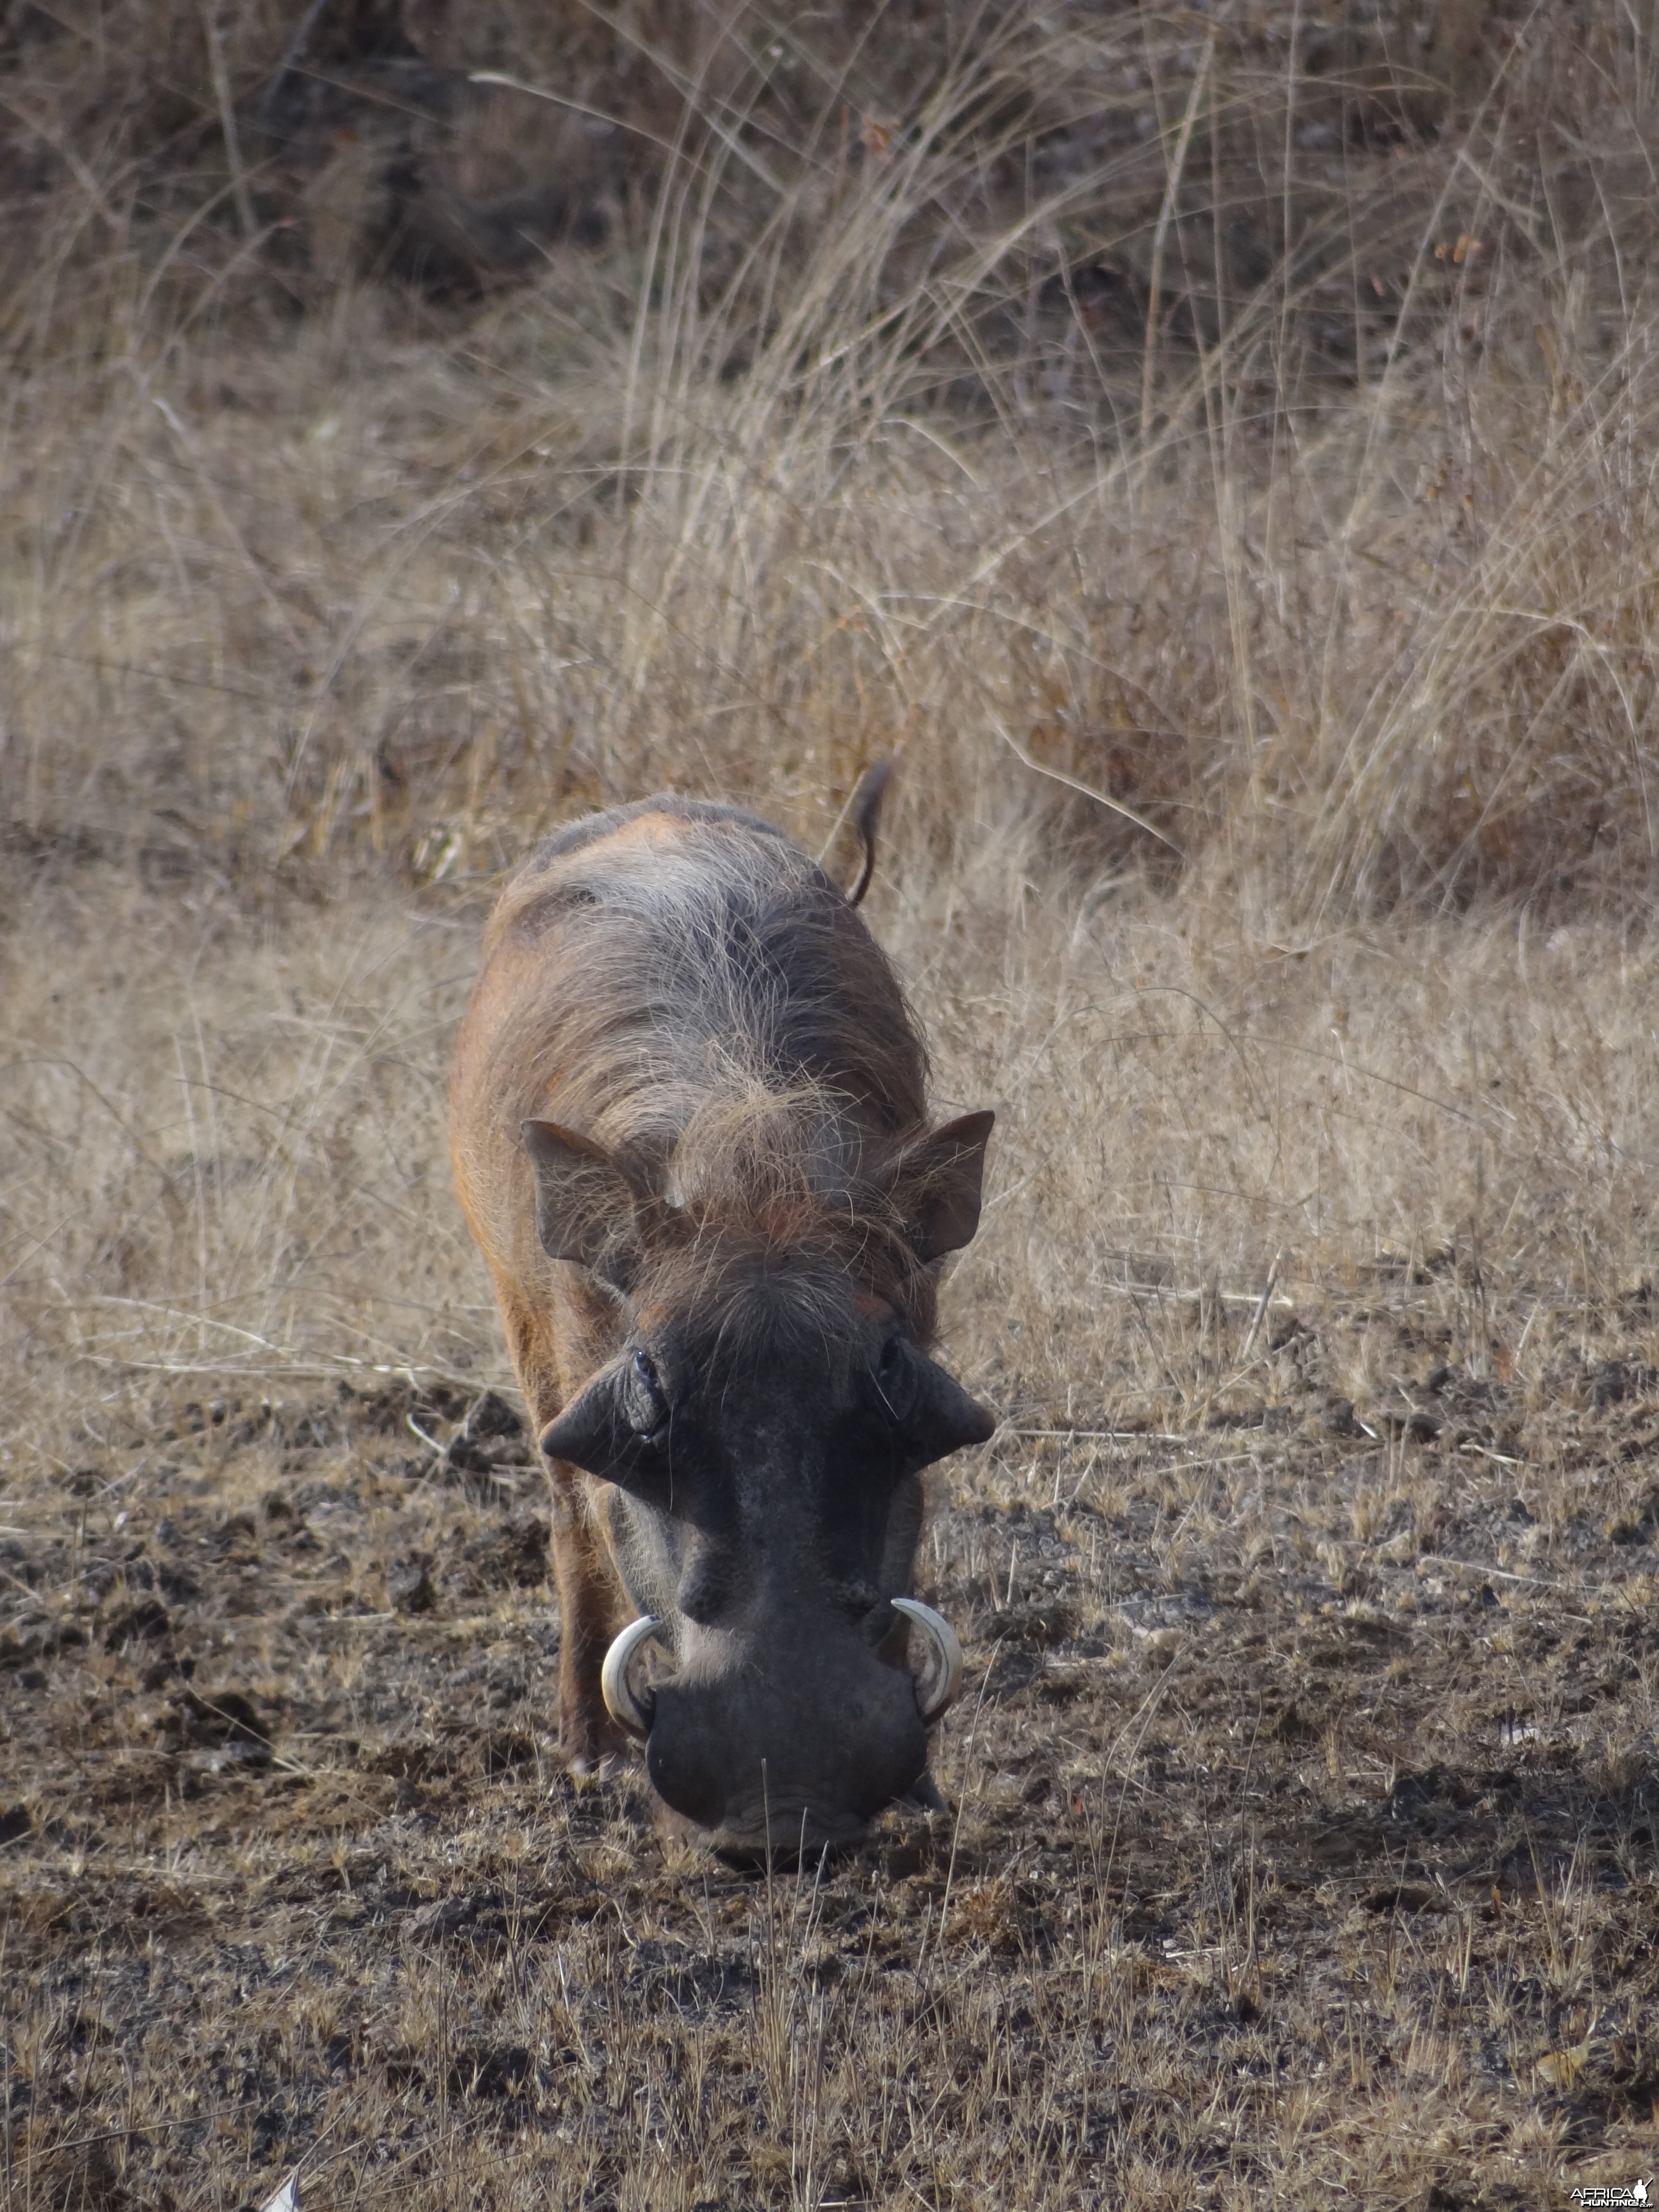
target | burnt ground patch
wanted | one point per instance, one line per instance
(1306, 1766)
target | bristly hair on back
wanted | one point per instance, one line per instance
(717, 946)
(697, 997)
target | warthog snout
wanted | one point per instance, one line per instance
(749, 1752)
(782, 1751)
(782, 1686)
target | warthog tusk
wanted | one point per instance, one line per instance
(939, 1681)
(631, 1708)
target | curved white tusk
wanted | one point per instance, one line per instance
(939, 1682)
(631, 1707)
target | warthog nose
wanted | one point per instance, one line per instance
(804, 1725)
(836, 1755)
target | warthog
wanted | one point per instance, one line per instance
(689, 1131)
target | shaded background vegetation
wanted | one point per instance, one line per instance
(1244, 415)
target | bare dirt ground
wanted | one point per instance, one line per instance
(1303, 1845)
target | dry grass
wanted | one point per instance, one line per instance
(1268, 654)
(1280, 479)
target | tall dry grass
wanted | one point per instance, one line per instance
(1210, 455)
(225, 1167)
(1242, 426)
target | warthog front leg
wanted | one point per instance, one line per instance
(587, 1621)
(552, 1346)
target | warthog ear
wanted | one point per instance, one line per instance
(588, 1205)
(936, 1182)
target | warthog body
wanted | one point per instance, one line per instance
(689, 1132)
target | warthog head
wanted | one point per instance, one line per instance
(764, 1425)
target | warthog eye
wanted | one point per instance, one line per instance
(644, 1398)
(895, 1378)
